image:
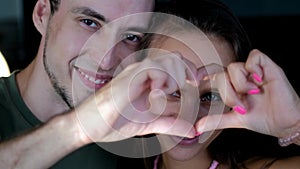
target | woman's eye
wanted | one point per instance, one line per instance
(176, 94)
(210, 97)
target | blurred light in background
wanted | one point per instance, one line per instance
(4, 69)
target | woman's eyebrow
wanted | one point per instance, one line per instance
(89, 12)
(205, 71)
(213, 68)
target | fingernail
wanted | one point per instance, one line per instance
(253, 91)
(197, 134)
(240, 109)
(257, 77)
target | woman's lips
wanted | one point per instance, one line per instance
(93, 80)
(185, 141)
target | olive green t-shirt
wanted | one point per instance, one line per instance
(15, 118)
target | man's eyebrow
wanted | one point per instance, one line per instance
(89, 12)
(138, 29)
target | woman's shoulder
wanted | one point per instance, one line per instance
(291, 162)
(274, 163)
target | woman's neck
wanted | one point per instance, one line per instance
(201, 161)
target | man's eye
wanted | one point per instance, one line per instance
(133, 38)
(210, 97)
(132, 41)
(90, 23)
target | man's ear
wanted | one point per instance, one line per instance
(41, 14)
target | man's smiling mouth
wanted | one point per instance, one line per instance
(93, 80)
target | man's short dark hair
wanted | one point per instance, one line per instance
(54, 4)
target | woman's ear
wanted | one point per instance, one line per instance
(41, 14)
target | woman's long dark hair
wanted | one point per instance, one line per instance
(212, 17)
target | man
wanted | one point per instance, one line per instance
(47, 118)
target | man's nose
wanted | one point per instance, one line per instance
(103, 49)
(110, 60)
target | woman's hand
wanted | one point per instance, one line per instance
(261, 96)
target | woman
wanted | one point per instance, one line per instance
(231, 44)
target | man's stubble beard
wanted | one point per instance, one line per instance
(58, 87)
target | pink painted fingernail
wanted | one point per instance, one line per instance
(253, 91)
(240, 109)
(197, 134)
(257, 77)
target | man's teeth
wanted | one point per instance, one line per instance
(92, 79)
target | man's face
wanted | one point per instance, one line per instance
(87, 41)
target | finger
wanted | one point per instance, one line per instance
(189, 104)
(156, 75)
(259, 64)
(177, 70)
(218, 79)
(158, 102)
(215, 76)
(221, 82)
(153, 75)
(210, 69)
(171, 126)
(238, 76)
(174, 68)
(227, 120)
(191, 71)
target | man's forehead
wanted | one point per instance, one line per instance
(111, 9)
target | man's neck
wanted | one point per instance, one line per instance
(38, 94)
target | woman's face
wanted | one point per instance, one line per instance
(180, 148)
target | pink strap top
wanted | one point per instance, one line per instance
(213, 165)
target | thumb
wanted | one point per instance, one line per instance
(219, 121)
(171, 126)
